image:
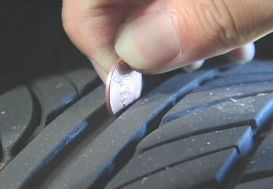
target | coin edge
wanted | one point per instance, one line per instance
(108, 86)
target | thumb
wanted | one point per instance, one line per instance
(169, 34)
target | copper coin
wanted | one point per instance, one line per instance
(123, 87)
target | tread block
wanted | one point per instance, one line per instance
(54, 94)
(261, 164)
(54, 138)
(16, 114)
(82, 78)
(181, 174)
(145, 163)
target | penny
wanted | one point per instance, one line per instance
(123, 87)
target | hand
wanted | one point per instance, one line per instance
(156, 36)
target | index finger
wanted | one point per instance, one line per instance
(92, 25)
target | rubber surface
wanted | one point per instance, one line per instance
(209, 128)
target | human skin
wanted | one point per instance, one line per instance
(155, 36)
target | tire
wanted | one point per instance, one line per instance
(209, 128)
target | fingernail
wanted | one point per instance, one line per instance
(149, 41)
(194, 66)
(244, 54)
